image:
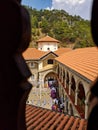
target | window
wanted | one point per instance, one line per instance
(32, 64)
(50, 61)
(48, 48)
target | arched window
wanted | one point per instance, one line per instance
(50, 61)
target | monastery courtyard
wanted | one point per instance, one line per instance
(40, 97)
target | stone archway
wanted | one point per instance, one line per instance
(73, 84)
(81, 94)
(50, 77)
(81, 97)
(73, 88)
(45, 75)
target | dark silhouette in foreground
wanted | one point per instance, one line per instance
(93, 112)
(15, 36)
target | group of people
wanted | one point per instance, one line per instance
(58, 104)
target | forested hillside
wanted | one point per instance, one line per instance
(72, 31)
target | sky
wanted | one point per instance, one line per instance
(73, 7)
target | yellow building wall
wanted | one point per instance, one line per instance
(45, 61)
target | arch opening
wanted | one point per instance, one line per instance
(73, 88)
(50, 78)
(81, 97)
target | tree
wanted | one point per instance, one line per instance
(62, 26)
(34, 22)
(45, 26)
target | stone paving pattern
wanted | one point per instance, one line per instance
(40, 97)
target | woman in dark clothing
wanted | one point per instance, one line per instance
(15, 36)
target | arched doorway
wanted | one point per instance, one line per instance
(50, 78)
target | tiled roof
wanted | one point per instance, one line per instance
(33, 53)
(84, 61)
(62, 51)
(47, 39)
(44, 119)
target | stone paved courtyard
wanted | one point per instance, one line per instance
(40, 97)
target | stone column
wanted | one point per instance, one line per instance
(62, 75)
(59, 72)
(70, 88)
(69, 110)
(42, 83)
(76, 96)
(86, 109)
(66, 104)
(59, 90)
(56, 69)
(65, 83)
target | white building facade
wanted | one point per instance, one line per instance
(48, 44)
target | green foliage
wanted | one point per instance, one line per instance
(34, 22)
(45, 26)
(59, 24)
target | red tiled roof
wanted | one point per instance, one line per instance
(84, 61)
(33, 53)
(62, 51)
(47, 39)
(44, 119)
